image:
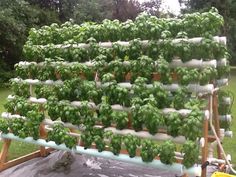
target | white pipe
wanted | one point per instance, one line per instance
(142, 134)
(32, 81)
(223, 40)
(211, 149)
(226, 101)
(227, 118)
(222, 62)
(229, 134)
(117, 107)
(194, 63)
(48, 128)
(125, 43)
(222, 82)
(145, 134)
(48, 121)
(202, 142)
(39, 100)
(7, 115)
(26, 63)
(175, 167)
(214, 160)
(172, 87)
(11, 97)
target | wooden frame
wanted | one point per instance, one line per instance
(43, 152)
(4, 164)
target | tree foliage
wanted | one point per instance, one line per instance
(18, 16)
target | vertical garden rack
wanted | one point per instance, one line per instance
(208, 91)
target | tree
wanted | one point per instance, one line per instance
(126, 9)
(16, 18)
(92, 10)
(152, 7)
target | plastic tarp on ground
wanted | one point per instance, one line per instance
(64, 164)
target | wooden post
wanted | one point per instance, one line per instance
(216, 121)
(43, 135)
(205, 147)
(4, 151)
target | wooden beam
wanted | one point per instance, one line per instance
(4, 151)
(22, 159)
(205, 148)
(43, 135)
(216, 121)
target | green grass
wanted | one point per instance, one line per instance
(230, 143)
(18, 149)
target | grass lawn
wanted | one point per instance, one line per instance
(18, 148)
(230, 143)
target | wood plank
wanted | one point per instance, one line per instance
(4, 151)
(22, 159)
(43, 135)
(205, 148)
(216, 121)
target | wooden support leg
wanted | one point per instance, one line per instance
(216, 122)
(43, 135)
(4, 151)
(205, 148)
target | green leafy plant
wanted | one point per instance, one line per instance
(62, 72)
(20, 106)
(192, 125)
(100, 144)
(131, 144)
(44, 91)
(87, 115)
(17, 127)
(161, 95)
(4, 126)
(167, 152)
(105, 112)
(59, 135)
(87, 139)
(115, 144)
(164, 70)
(139, 88)
(187, 76)
(207, 75)
(52, 108)
(173, 123)
(69, 113)
(118, 69)
(20, 89)
(138, 65)
(180, 98)
(134, 50)
(137, 119)
(121, 119)
(47, 71)
(152, 117)
(34, 119)
(191, 152)
(148, 150)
